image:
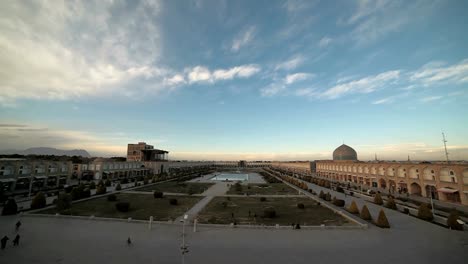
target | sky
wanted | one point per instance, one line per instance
(229, 80)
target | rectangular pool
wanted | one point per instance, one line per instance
(230, 177)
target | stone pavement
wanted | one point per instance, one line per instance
(72, 241)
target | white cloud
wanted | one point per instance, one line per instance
(431, 98)
(290, 64)
(364, 85)
(243, 39)
(175, 80)
(272, 89)
(309, 92)
(383, 101)
(70, 49)
(325, 41)
(437, 73)
(203, 74)
(300, 76)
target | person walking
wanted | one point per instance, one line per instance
(18, 225)
(16, 240)
(4, 241)
(129, 241)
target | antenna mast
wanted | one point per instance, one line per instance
(445, 146)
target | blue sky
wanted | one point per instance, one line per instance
(287, 80)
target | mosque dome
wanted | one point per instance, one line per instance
(344, 152)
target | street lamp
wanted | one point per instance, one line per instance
(184, 248)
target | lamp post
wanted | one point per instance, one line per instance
(183, 248)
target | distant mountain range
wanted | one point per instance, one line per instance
(48, 151)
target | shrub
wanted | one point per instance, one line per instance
(391, 203)
(339, 202)
(157, 194)
(353, 208)
(112, 198)
(365, 214)
(262, 199)
(118, 187)
(382, 220)
(269, 212)
(351, 193)
(76, 192)
(101, 189)
(39, 201)
(92, 185)
(100, 183)
(452, 222)
(86, 193)
(190, 190)
(122, 206)
(63, 202)
(340, 189)
(145, 181)
(10, 207)
(224, 204)
(321, 195)
(108, 183)
(406, 210)
(68, 189)
(173, 201)
(238, 187)
(327, 197)
(378, 199)
(424, 212)
(300, 206)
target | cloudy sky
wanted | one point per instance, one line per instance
(236, 79)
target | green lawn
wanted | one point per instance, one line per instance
(260, 189)
(142, 206)
(177, 187)
(286, 211)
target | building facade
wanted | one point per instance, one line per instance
(145, 152)
(442, 181)
(109, 169)
(21, 175)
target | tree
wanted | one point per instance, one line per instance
(452, 221)
(92, 185)
(122, 206)
(353, 208)
(424, 212)
(300, 206)
(365, 214)
(269, 212)
(238, 187)
(63, 202)
(39, 201)
(382, 220)
(118, 187)
(157, 194)
(321, 195)
(108, 183)
(378, 199)
(391, 203)
(173, 201)
(10, 207)
(112, 197)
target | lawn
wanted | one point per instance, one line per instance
(221, 209)
(142, 206)
(262, 189)
(177, 187)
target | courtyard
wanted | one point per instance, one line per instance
(177, 187)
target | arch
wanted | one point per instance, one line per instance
(428, 174)
(354, 169)
(382, 183)
(366, 170)
(391, 171)
(391, 185)
(401, 172)
(447, 175)
(373, 170)
(431, 190)
(414, 173)
(465, 176)
(359, 169)
(415, 189)
(381, 171)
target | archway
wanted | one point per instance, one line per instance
(415, 189)
(431, 191)
(382, 183)
(402, 187)
(391, 186)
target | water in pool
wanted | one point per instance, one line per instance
(230, 177)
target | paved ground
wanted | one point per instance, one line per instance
(51, 240)
(253, 178)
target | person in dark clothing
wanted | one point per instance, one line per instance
(4, 241)
(18, 224)
(16, 240)
(129, 241)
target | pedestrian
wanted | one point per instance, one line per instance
(18, 224)
(4, 241)
(16, 240)
(129, 241)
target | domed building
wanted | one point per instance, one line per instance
(344, 152)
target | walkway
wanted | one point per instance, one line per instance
(218, 189)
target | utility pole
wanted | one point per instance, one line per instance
(445, 146)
